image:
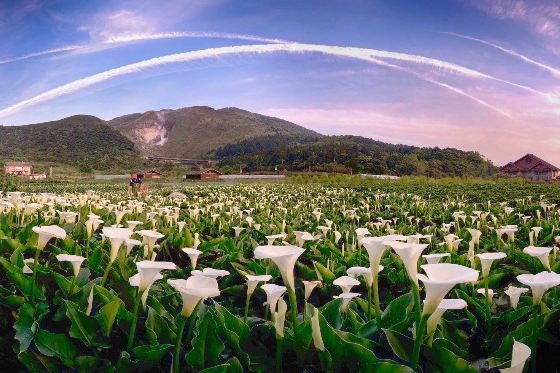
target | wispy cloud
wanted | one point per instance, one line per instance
(365, 54)
(542, 17)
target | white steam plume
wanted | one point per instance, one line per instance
(370, 55)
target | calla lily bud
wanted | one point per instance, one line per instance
(280, 318)
(316, 331)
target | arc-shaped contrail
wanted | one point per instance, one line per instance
(444, 85)
(122, 39)
(508, 51)
(369, 55)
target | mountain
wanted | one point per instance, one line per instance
(76, 140)
(198, 131)
(232, 136)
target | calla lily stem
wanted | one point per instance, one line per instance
(246, 308)
(106, 273)
(418, 341)
(34, 280)
(293, 306)
(279, 355)
(369, 304)
(134, 320)
(417, 306)
(488, 311)
(180, 328)
(535, 335)
(376, 300)
(326, 361)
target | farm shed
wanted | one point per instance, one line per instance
(532, 167)
(206, 174)
(151, 174)
(18, 168)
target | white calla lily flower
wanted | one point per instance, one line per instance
(440, 279)
(75, 260)
(539, 283)
(273, 293)
(193, 255)
(193, 290)
(486, 260)
(46, 233)
(541, 253)
(520, 353)
(514, 293)
(444, 305)
(284, 257)
(253, 281)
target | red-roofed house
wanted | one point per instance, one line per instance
(532, 167)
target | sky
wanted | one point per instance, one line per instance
(480, 75)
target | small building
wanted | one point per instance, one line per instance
(151, 174)
(18, 168)
(206, 174)
(532, 167)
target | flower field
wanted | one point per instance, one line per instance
(390, 277)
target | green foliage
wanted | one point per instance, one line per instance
(345, 154)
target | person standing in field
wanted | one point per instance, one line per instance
(135, 187)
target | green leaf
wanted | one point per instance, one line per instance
(347, 355)
(322, 272)
(20, 280)
(107, 316)
(94, 260)
(386, 366)
(107, 297)
(449, 362)
(331, 313)
(217, 369)
(151, 354)
(53, 344)
(158, 329)
(83, 327)
(125, 364)
(207, 346)
(63, 283)
(38, 363)
(396, 314)
(401, 345)
(232, 322)
(24, 326)
(17, 258)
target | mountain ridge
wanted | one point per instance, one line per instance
(230, 135)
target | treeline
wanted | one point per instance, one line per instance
(351, 154)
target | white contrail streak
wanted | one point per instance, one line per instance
(508, 51)
(369, 55)
(122, 39)
(43, 53)
(444, 85)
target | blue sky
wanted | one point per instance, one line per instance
(475, 75)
